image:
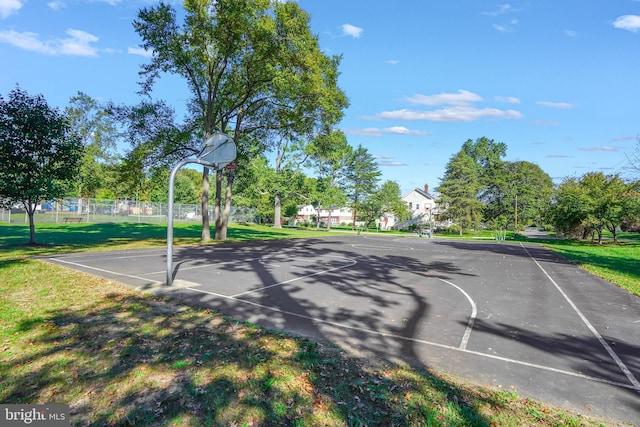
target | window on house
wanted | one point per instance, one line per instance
(410, 205)
(417, 206)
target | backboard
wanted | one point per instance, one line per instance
(217, 152)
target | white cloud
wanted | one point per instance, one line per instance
(377, 132)
(628, 22)
(56, 5)
(140, 51)
(502, 9)
(392, 61)
(9, 7)
(508, 99)
(603, 148)
(451, 114)
(570, 33)
(506, 27)
(391, 163)
(401, 130)
(351, 30)
(458, 108)
(563, 105)
(462, 97)
(109, 2)
(77, 44)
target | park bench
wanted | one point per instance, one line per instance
(72, 219)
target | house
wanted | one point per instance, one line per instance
(336, 216)
(422, 205)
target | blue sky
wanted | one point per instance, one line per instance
(557, 81)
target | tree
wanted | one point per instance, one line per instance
(520, 191)
(330, 155)
(459, 190)
(387, 199)
(592, 203)
(361, 178)
(98, 132)
(39, 154)
(251, 66)
(290, 155)
(487, 156)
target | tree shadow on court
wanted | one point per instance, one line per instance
(507, 249)
(364, 293)
(584, 354)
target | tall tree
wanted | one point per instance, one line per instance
(520, 191)
(459, 190)
(362, 178)
(155, 141)
(39, 154)
(330, 156)
(487, 156)
(251, 65)
(98, 132)
(592, 203)
(387, 199)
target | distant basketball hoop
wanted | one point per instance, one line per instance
(232, 166)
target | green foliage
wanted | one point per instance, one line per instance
(252, 66)
(522, 185)
(39, 153)
(592, 203)
(459, 191)
(98, 133)
(387, 199)
(361, 177)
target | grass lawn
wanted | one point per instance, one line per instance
(119, 358)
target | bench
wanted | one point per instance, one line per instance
(72, 219)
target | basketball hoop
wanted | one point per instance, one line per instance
(231, 166)
(217, 152)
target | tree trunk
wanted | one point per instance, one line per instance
(218, 205)
(221, 230)
(277, 211)
(329, 220)
(318, 209)
(32, 227)
(204, 207)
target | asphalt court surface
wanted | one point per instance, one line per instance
(499, 314)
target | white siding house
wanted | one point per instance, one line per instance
(422, 205)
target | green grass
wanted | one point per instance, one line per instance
(119, 358)
(618, 264)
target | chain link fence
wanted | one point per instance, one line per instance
(69, 209)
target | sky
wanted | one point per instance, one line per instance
(556, 81)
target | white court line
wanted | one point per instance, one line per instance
(198, 267)
(362, 246)
(418, 341)
(607, 347)
(101, 270)
(472, 318)
(353, 262)
(474, 308)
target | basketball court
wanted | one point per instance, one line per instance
(499, 314)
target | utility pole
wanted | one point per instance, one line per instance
(516, 230)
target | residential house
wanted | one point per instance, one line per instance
(422, 205)
(335, 216)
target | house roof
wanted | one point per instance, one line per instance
(424, 194)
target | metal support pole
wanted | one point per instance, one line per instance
(172, 179)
